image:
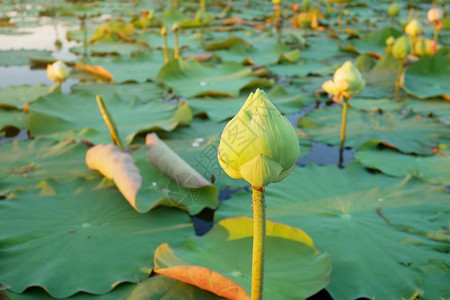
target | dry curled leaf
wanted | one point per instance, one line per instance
(117, 166)
(169, 163)
(96, 70)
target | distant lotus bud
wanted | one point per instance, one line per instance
(163, 30)
(276, 2)
(175, 26)
(390, 41)
(423, 46)
(58, 71)
(401, 48)
(434, 15)
(394, 9)
(347, 80)
(258, 144)
(413, 28)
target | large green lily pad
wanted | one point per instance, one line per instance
(105, 48)
(20, 57)
(432, 168)
(17, 96)
(220, 109)
(189, 78)
(437, 108)
(78, 116)
(429, 76)
(301, 68)
(15, 119)
(220, 261)
(368, 223)
(26, 163)
(144, 91)
(373, 42)
(159, 287)
(265, 54)
(83, 237)
(139, 67)
(408, 133)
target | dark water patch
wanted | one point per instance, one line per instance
(203, 221)
(322, 154)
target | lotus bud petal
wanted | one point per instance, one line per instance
(394, 9)
(276, 2)
(347, 79)
(413, 28)
(258, 144)
(401, 48)
(58, 71)
(434, 15)
(390, 41)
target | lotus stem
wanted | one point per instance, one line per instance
(259, 237)
(411, 14)
(165, 48)
(436, 32)
(344, 122)
(176, 53)
(107, 117)
(85, 42)
(339, 18)
(202, 6)
(397, 83)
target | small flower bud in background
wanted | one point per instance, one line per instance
(394, 9)
(401, 48)
(413, 28)
(347, 81)
(58, 71)
(434, 15)
(258, 144)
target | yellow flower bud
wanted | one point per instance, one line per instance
(422, 46)
(434, 15)
(58, 71)
(258, 144)
(413, 28)
(347, 80)
(276, 2)
(394, 9)
(401, 48)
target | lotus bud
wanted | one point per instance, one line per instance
(422, 46)
(401, 48)
(58, 71)
(434, 15)
(276, 2)
(390, 41)
(347, 80)
(413, 28)
(394, 9)
(258, 144)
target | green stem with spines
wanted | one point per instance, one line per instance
(259, 237)
(397, 82)
(107, 117)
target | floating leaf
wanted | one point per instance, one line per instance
(219, 109)
(147, 91)
(77, 116)
(429, 168)
(26, 163)
(103, 48)
(428, 77)
(12, 120)
(431, 107)
(373, 42)
(84, 228)
(17, 96)
(301, 68)
(20, 57)
(190, 78)
(220, 261)
(368, 223)
(405, 132)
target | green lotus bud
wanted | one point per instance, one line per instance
(347, 80)
(394, 9)
(401, 48)
(390, 41)
(58, 71)
(413, 28)
(258, 144)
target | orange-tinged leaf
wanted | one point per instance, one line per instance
(202, 277)
(96, 70)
